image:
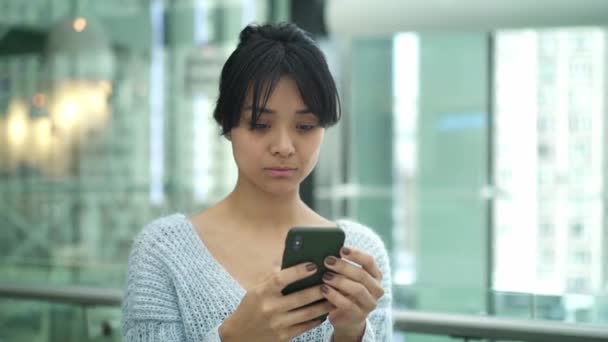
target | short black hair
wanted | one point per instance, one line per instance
(264, 54)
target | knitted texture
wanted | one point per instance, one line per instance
(177, 291)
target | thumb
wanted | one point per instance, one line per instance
(276, 265)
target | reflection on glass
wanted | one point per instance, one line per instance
(104, 127)
(549, 168)
(80, 107)
(405, 111)
(549, 163)
(17, 125)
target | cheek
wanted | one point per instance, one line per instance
(246, 152)
(313, 158)
(311, 152)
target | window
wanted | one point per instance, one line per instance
(580, 257)
(577, 285)
(546, 229)
(577, 230)
(545, 151)
(569, 116)
(547, 257)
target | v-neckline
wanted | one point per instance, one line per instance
(217, 266)
(214, 262)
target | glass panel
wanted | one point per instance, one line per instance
(549, 165)
(440, 139)
(104, 126)
(550, 170)
(93, 146)
(38, 321)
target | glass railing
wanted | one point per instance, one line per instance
(64, 272)
(77, 313)
(416, 326)
(589, 308)
(27, 320)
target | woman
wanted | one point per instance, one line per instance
(215, 276)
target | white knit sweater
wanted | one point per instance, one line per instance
(177, 291)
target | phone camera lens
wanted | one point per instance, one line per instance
(297, 242)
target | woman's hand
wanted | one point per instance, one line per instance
(354, 290)
(265, 314)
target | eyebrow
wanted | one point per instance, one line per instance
(270, 111)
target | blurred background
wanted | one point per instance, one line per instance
(474, 141)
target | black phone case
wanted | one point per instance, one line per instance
(316, 244)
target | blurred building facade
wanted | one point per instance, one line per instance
(551, 94)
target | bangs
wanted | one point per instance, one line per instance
(269, 71)
(255, 68)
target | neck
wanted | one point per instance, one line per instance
(263, 211)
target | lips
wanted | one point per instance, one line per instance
(280, 168)
(281, 172)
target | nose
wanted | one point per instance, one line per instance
(282, 144)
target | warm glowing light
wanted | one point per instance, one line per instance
(65, 114)
(106, 87)
(17, 124)
(3, 146)
(75, 110)
(41, 143)
(93, 99)
(42, 134)
(78, 107)
(80, 24)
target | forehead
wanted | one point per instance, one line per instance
(285, 94)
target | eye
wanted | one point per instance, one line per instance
(306, 128)
(258, 126)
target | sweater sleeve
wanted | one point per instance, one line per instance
(150, 305)
(150, 309)
(379, 323)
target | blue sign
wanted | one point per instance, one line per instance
(459, 121)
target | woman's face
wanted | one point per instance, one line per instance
(283, 147)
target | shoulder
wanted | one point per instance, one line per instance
(362, 237)
(162, 233)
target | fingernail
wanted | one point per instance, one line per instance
(311, 267)
(324, 289)
(345, 250)
(328, 276)
(330, 260)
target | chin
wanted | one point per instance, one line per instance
(279, 188)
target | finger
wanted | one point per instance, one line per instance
(300, 298)
(351, 289)
(356, 274)
(308, 313)
(366, 261)
(279, 280)
(340, 301)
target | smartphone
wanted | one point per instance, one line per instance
(311, 244)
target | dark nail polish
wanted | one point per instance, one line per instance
(330, 260)
(324, 288)
(328, 276)
(345, 250)
(311, 267)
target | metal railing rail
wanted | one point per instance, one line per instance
(80, 295)
(478, 327)
(455, 325)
